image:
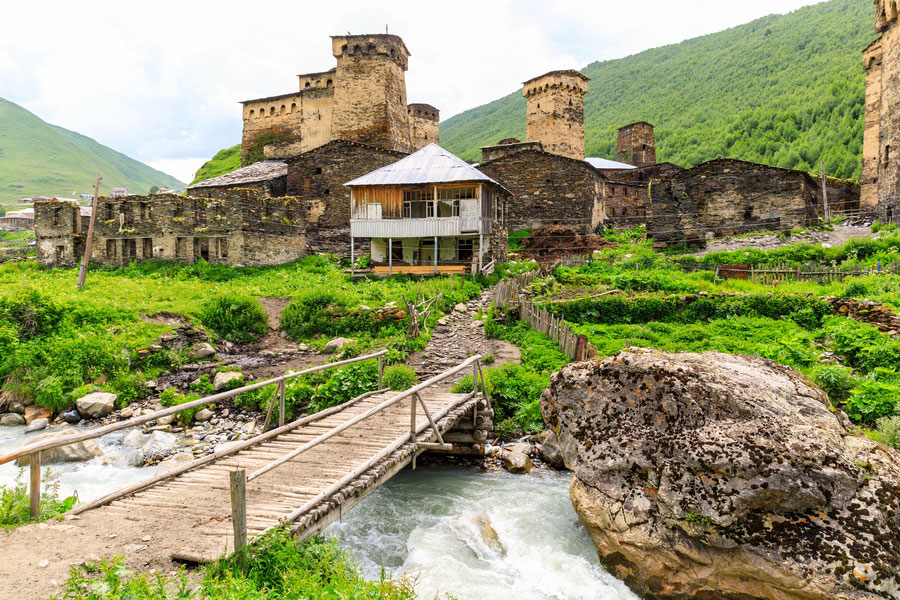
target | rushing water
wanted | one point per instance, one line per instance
(91, 479)
(427, 524)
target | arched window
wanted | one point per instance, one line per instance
(329, 83)
(252, 113)
(272, 111)
(308, 84)
(282, 109)
(293, 107)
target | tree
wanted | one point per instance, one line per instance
(154, 189)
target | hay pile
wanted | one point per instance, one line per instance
(553, 242)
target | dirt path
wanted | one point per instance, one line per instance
(457, 337)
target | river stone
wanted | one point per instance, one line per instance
(551, 452)
(711, 476)
(11, 419)
(202, 351)
(336, 344)
(159, 444)
(96, 405)
(221, 380)
(37, 425)
(35, 412)
(16, 407)
(516, 463)
(203, 415)
(125, 457)
(77, 452)
(135, 439)
(72, 417)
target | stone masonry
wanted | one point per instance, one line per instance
(423, 125)
(60, 233)
(636, 145)
(555, 112)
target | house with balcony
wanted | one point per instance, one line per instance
(429, 212)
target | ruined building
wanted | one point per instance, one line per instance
(362, 99)
(880, 191)
(636, 145)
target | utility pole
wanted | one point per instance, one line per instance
(825, 192)
(82, 273)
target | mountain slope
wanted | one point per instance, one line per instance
(784, 90)
(40, 159)
(225, 161)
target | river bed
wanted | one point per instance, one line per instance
(424, 524)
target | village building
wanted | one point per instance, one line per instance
(429, 212)
(880, 184)
(18, 219)
(268, 177)
(728, 197)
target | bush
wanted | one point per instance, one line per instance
(515, 394)
(169, 397)
(399, 378)
(234, 318)
(872, 400)
(15, 506)
(330, 313)
(836, 381)
(889, 431)
(345, 385)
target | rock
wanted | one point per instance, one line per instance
(126, 413)
(552, 454)
(521, 448)
(460, 307)
(72, 417)
(516, 462)
(202, 351)
(336, 344)
(159, 444)
(167, 420)
(96, 405)
(16, 407)
(11, 419)
(77, 452)
(488, 534)
(203, 415)
(32, 413)
(37, 425)
(43, 564)
(221, 380)
(705, 476)
(135, 439)
(125, 457)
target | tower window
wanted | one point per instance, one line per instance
(308, 84)
(887, 154)
(318, 170)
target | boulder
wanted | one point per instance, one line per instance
(77, 452)
(11, 419)
(336, 344)
(35, 412)
(72, 417)
(125, 457)
(37, 425)
(203, 415)
(202, 351)
(96, 405)
(516, 463)
(551, 452)
(16, 407)
(221, 380)
(159, 444)
(460, 307)
(135, 439)
(711, 476)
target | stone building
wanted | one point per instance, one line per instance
(362, 99)
(880, 191)
(429, 212)
(268, 177)
(318, 177)
(636, 145)
(727, 197)
(244, 228)
(555, 112)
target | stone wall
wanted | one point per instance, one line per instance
(548, 189)
(726, 197)
(636, 145)
(303, 117)
(509, 146)
(423, 125)
(555, 112)
(59, 236)
(872, 136)
(318, 177)
(843, 196)
(270, 188)
(627, 204)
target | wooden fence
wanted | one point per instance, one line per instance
(507, 294)
(782, 272)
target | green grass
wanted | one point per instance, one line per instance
(785, 90)
(40, 159)
(225, 161)
(15, 506)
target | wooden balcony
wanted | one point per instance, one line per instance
(419, 228)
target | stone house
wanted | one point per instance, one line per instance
(727, 197)
(268, 177)
(18, 219)
(59, 233)
(429, 213)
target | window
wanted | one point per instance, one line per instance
(465, 249)
(417, 204)
(129, 249)
(448, 208)
(148, 248)
(465, 193)
(110, 248)
(57, 217)
(397, 251)
(223, 248)
(181, 247)
(318, 170)
(199, 214)
(887, 155)
(110, 211)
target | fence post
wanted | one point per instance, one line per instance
(238, 479)
(34, 500)
(412, 425)
(380, 371)
(580, 348)
(281, 401)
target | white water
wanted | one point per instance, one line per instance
(90, 479)
(422, 524)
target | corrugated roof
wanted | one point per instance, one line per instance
(431, 164)
(258, 171)
(604, 164)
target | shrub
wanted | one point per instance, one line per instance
(836, 381)
(399, 378)
(235, 318)
(344, 385)
(515, 394)
(169, 397)
(15, 505)
(330, 313)
(889, 431)
(129, 387)
(872, 400)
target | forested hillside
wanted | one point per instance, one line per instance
(40, 159)
(784, 90)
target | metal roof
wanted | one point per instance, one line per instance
(431, 164)
(258, 171)
(604, 164)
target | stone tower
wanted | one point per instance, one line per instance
(423, 125)
(880, 189)
(636, 145)
(555, 112)
(370, 91)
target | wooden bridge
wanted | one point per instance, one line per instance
(304, 474)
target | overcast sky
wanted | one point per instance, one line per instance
(161, 81)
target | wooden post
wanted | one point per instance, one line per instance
(825, 193)
(412, 425)
(428, 416)
(381, 372)
(435, 254)
(480, 254)
(82, 273)
(281, 391)
(390, 256)
(580, 348)
(238, 479)
(352, 259)
(34, 500)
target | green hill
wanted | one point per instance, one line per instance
(225, 161)
(40, 159)
(784, 90)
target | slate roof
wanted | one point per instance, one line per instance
(604, 164)
(263, 170)
(431, 164)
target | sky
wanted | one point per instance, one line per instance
(161, 81)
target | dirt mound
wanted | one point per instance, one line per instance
(552, 242)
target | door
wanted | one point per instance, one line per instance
(426, 253)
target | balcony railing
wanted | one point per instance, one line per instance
(418, 228)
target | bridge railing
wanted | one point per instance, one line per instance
(34, 450)
(238, 478)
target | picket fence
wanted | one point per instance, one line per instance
(781, 272)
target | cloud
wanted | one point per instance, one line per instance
(162, 81)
